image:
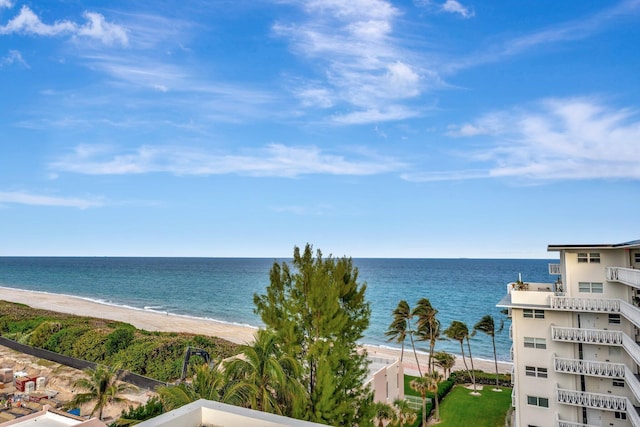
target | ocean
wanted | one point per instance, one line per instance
(223, 288)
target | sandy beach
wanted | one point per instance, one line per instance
(154, 321)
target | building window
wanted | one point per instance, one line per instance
(530, 342)
(621, 415)
(538, 401)
(636, 257)
(614, 319)
(590, 287)
(592, 257)
(533, 314)
(533, 371)
(618, 383)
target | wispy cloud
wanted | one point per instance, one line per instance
(96, 27)
(21, 198)
(8, 4)
(361, 64)
(557, 139)
(299, 210)
(274, 160)
(453, 6)
(13, 57)
(573, 30)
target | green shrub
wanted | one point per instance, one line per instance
(91, 346)
(41, 334)
(118, 340)
(62, 341)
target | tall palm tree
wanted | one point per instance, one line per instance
(458, 331)
(428, 326)
(102, 386)
(421, 385)
(488, 326)
(383, 413)
(401, 327)
(208, 383)
(404, 413)
(265, 378)
(446, 361)
(434, 379)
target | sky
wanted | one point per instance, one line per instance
(367, 128)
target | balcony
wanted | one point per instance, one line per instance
(554, 269)
(587, 336)
(628, 276)
(589, 367)
(599, 369)
(605, 402)
(562, 423)
(601, 305)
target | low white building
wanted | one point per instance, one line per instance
(576, 342)
(49, 417)
(209, 413)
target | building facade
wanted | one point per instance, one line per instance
(576, 342)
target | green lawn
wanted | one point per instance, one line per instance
(461, 409)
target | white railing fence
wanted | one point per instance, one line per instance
(591, 336)
(589, 367)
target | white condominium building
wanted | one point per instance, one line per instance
(576, 348)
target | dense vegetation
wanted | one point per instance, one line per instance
(157, 355)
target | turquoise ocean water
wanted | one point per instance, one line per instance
(223, 288)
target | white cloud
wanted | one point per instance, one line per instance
(27, 22)
(566, 138)
(273, 160)
(351, 44)
(13, 57)
(97, 28)
(453, 6)
(21, 198)
(8, 4)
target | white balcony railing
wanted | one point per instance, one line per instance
(589, 336)
(589, 367)
(511, 332)
(632, 382)
(563, 423)
(554, 269)
(604, 305)
(606, 402)
(630, 312)
(511, 353)
(628, 276)
(514, 398)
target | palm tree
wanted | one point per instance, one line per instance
(400, 327)
(421, 385)
(428, 326)
(446, 361)
(458, 331)
(435, 378)
(404, 413)
(266, 379)
(102, 386)
(208, 383)
(488, 326)
(384, 412)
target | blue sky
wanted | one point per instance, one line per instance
(368, 128)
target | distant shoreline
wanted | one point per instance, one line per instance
(153, 320)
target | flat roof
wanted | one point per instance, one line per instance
(630, 244)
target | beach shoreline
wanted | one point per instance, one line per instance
(168, 322)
